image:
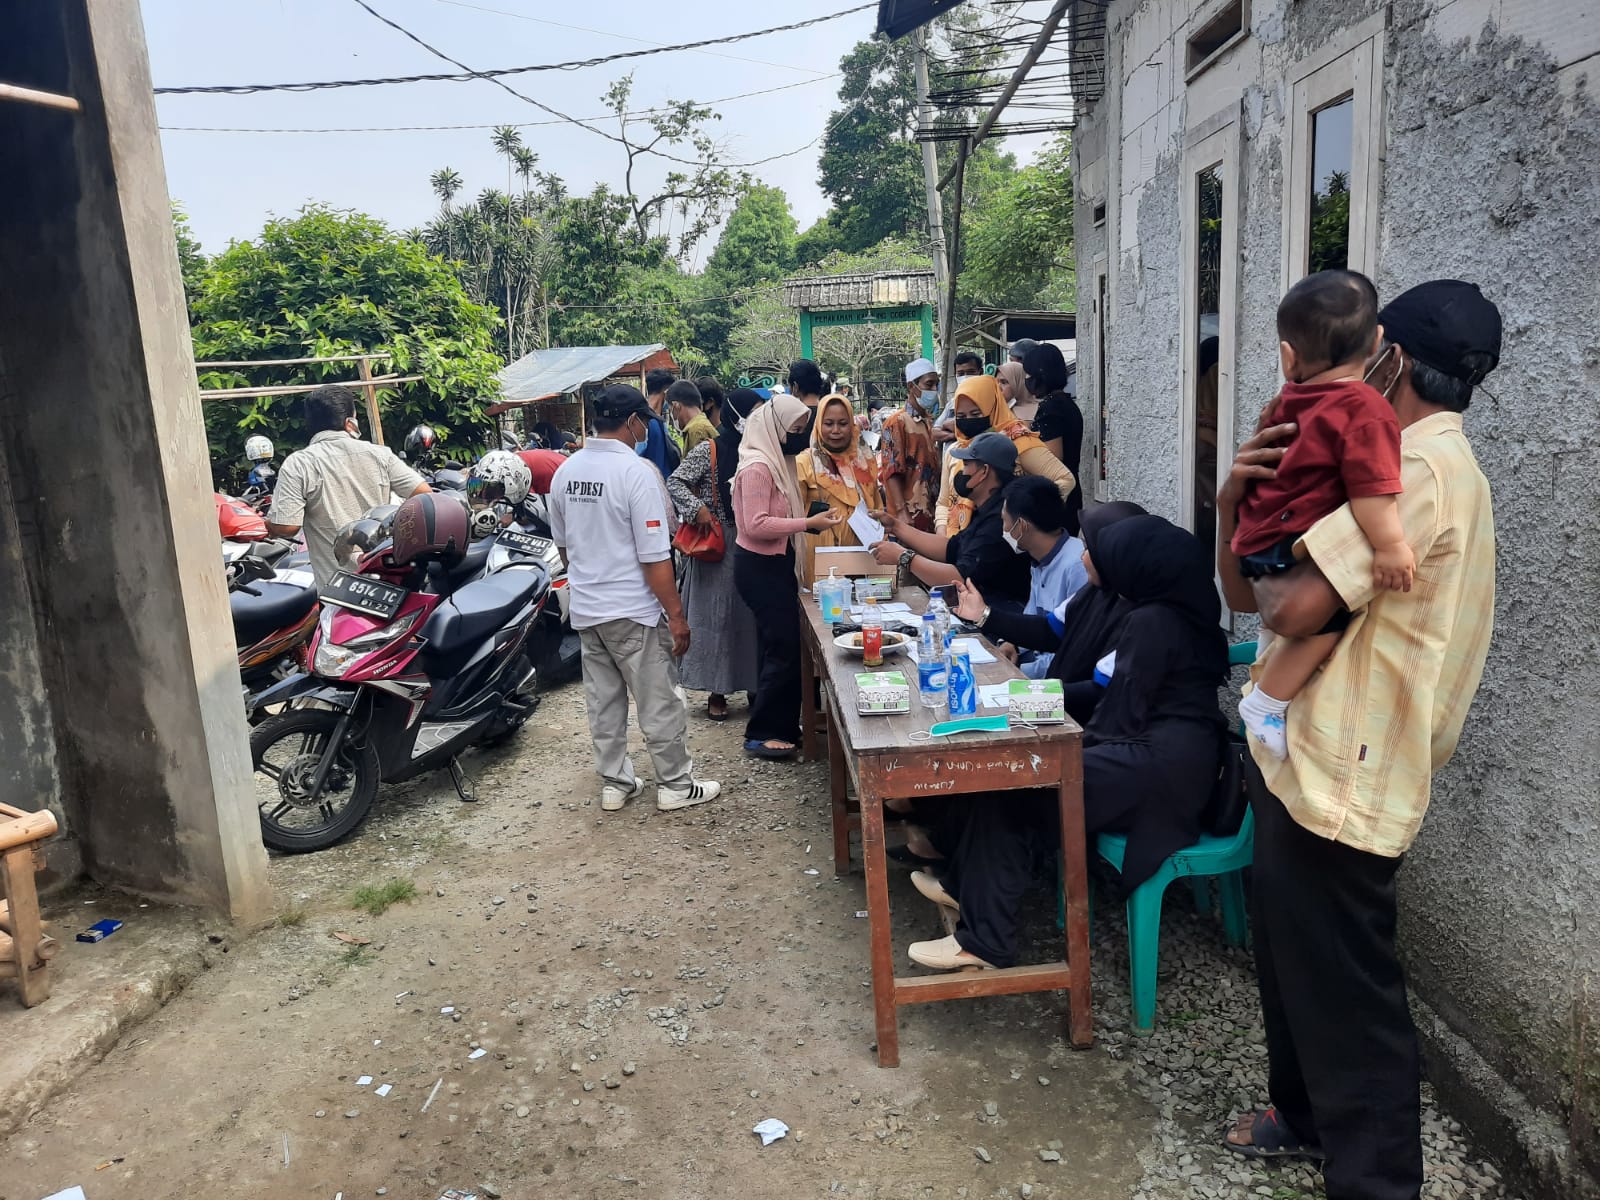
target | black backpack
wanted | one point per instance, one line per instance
(1239, 785)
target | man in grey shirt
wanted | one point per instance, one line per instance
(335, 480)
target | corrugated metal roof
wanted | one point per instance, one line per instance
(561, 369)
(864, 290)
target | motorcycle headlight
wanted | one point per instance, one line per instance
(331, 660)
(387, 633)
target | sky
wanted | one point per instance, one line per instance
(230, 183)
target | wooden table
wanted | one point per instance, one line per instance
(876, 753)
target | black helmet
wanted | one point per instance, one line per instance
(432, 527)
(420, 441)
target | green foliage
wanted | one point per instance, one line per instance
(191, 259)
(378, 898)
(1330, 225)
(756, 250)
(325, 283)
(1017, 240)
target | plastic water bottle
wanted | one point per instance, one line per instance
(872, 635)
(931, 675)
(941, 617)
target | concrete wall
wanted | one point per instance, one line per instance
(109, 516)
(1491, 173)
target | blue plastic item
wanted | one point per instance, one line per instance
(1224, 858)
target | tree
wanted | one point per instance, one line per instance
(700, 195)
(1017, 241)
(324, 283)
(871, 163)
(507, 141)
(446, 182)
(756, 248)
(191, 259)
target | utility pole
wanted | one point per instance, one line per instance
(930, 176)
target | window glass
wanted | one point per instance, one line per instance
(1329, 239)
(1208, 306)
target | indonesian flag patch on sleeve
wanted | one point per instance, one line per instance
(652, 524)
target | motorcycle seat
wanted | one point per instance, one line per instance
(472, 565)
(473, 613)
(278, 605)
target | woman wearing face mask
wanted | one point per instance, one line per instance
(722, 629)
(980, 407)
(837, 471)
(1014, 388)
(1058, 421)
(770, 517)
(1150, 747)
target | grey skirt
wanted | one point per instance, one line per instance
(722, 630)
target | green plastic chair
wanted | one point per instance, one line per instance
(1222, 857)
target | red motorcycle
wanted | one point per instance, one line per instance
(417, 656)
(274, 615)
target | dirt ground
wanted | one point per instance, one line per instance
(647, 987)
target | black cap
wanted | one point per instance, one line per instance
(1448, 325)
(619, 402)
(992, 449)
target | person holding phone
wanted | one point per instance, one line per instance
(770, 517)
(837, 473)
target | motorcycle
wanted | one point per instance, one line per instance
(414, 660)
(274, 614)
(527, 540)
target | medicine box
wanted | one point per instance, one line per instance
(882, 692)
(1037, 701)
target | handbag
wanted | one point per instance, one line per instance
(704, 542)
(1239, 784)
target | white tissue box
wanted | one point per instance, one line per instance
(1037, 701)
(883, 692)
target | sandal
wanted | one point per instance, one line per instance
(1270, 1137)
(762, 750)
(909, 857)
(713, 713)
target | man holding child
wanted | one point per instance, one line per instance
(1402, 632)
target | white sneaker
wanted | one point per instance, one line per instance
(698, 792)
(613, 798)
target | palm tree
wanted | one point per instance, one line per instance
(525, 161)
(446, 183)
(507, 141)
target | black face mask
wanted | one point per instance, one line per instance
(971, 427)
(794, 443)
(963, 485)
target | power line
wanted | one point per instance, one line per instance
(246, 89)
(643, 112)
(500, 12)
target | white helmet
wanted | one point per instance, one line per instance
(258, 448)
(504, 469)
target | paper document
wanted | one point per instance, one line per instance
(995, 695)
(974, 649)
(864, 527)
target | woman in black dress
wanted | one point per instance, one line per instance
(1150, 749)
(1057, 420)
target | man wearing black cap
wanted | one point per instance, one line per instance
(608, 513)
(1365, 736)
(979, 553)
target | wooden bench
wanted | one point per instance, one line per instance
(25, 950)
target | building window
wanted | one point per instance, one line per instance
(1228, 25)
(1209, 280)
(1099, 214)
(1335, 156)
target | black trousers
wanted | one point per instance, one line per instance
(1343, 1061)
(766, 583)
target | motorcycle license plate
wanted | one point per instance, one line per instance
(360, 594)
(524, 543)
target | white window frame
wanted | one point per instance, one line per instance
(1213, 143)
(1349, 67)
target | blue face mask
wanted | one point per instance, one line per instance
(929, 401)
(643, 443)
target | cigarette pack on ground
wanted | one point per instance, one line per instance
(1037, 701)
(99, 931)
(882, 692)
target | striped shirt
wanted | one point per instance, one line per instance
(1386, 710)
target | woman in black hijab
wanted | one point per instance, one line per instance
(1150, 749)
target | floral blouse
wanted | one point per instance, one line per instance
(694, 483)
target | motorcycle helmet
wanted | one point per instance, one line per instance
(500, 475)
(258, 448)
(421, 441)
(448, 479)
(359, 538)
(430, 526)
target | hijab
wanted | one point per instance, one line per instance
(764, 433)
(1094, 616)
(848, 475)
(1148, 560)
(736, 409)
(1013, 374)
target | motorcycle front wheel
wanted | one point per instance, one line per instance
(287, 751)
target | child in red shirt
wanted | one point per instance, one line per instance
(1347, 449)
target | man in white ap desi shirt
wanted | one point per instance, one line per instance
(608, 513)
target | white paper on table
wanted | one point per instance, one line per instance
(974, 649)
(770, 1130)
(868, 531)
(995, 695)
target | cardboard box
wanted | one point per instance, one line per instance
(851, 562)
(882, 692)
(1037, 701)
